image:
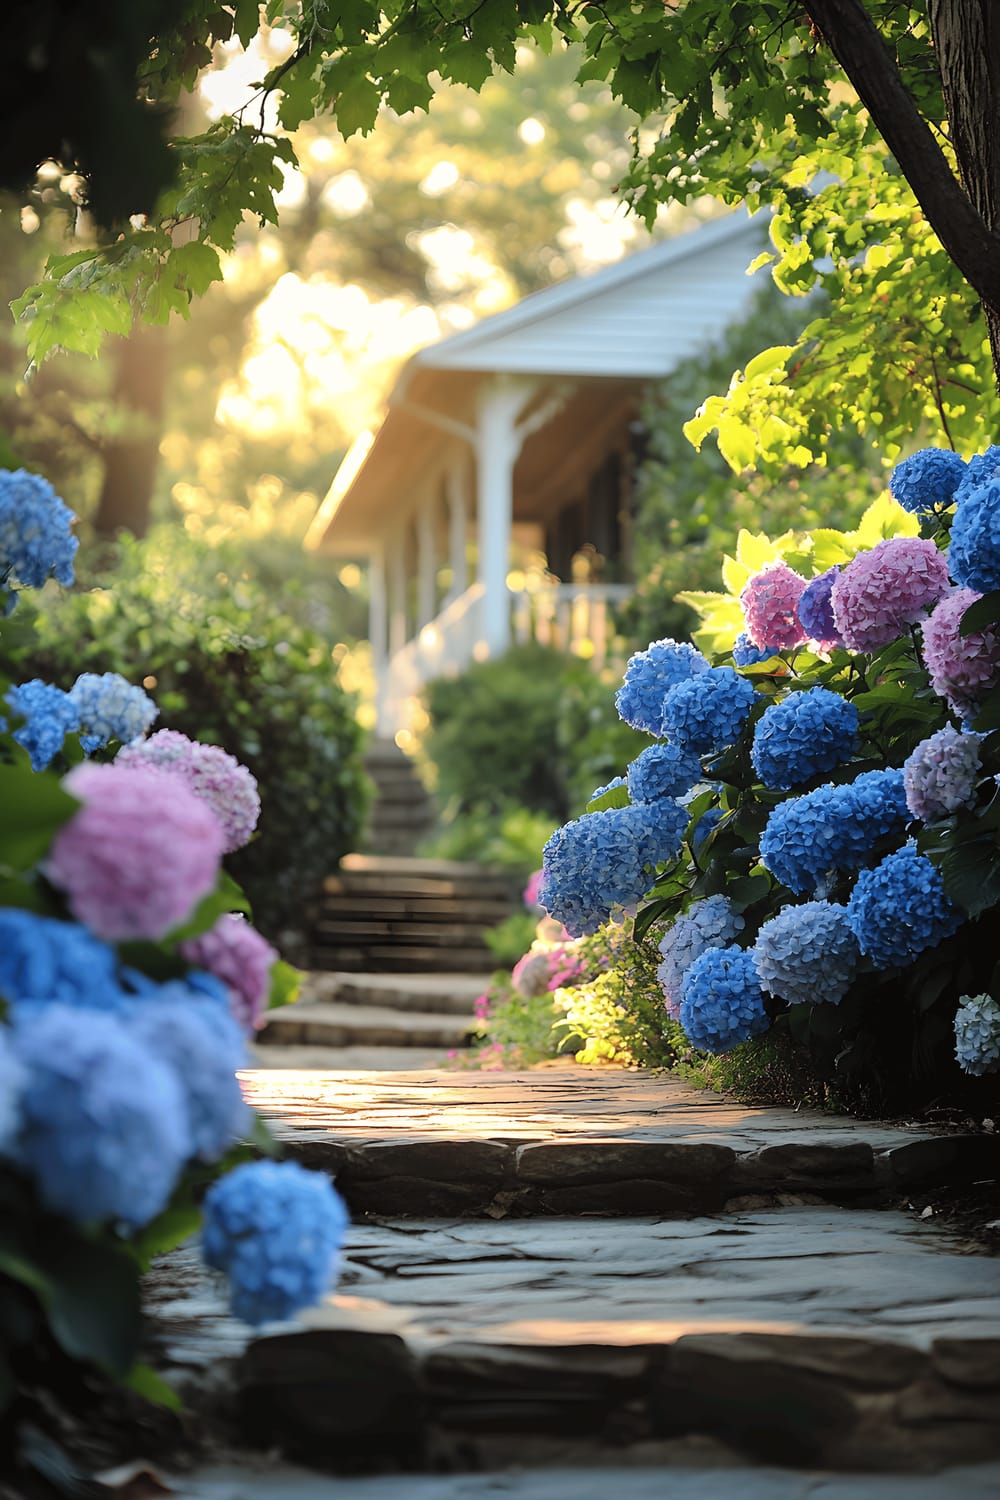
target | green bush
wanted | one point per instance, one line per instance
(226, 667)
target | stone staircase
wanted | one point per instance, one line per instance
(402, 813)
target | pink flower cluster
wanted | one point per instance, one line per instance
(236, 953)
(962, 668)
(218, 778)
(138, 856)
(770, 607)
(547, 968)
(882, 592)
(530, 893)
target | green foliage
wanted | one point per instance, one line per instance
(509, 839)
(512, 937)
(226, 668)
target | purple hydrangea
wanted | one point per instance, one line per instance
(649, 675)
(940, 774)
(807, 953)
(712, 923)
(805, 735)
(808, 838)
(962, 668)
(974, 551)
(815, 608)
(927, 480)
(899, 909)
(35, 538)
(882, 592)
(43, 960)
(276, 1230)
(211, 773)
(722, 1003)
(110, 708)
(103, 1132)
(708, 712)
(662, 771)
(977, 1035)
(770, 603)
(205, 1047)
(237, 954)
(49, 716)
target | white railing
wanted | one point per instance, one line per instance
(572, 617)
(443, 647)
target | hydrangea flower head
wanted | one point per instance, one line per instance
(900, 908)
(722, 1003)
(662, 771)
(604, 860)
(530, 893)
(746, 654)
(138, 856)
(110, 708)
(35, 538)
(805, 735)
(962, 668)
(236, 953)
(712, 923)
(276, 1230)
(882, 592)
(13, 1079)
(832, 828)
(770, 607)
(649, 675)
(708, 712)
(807, 953)
(211, 773)
(940, 774)
(49, 716)
(974, 551)
(43, 960)
(977, 1035)
(103, 1131)
(815, 608)
(927, 481)
(204, 1046)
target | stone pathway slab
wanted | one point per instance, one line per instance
(330, 1023)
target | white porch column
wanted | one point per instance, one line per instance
(378, 633)
(458, 525)
(498, 443)
(396, 608)
(426, 564)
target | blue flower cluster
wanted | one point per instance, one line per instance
(974, 552)
(43, 960)
(649, 675)
(832, 828)
(746, 654)
(807, 953)
(604, 860)
(110, 708)
(805, 735)
(927, 481)
(49, 716)
(815, 609)
(710, 819)
(204, 1046)
(662, 771)
(712, 923)
(707, 712)
(977, 1035)
(276, 1231)
(722, 1003)
(35, 537)
(900, 908)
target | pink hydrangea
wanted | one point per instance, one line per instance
(962, 668)
(530, 893)
(138, 856)
(228, 788)
(770, 608)
(236, 953)
(882, 592)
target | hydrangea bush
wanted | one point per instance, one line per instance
(130, 980)
(834, 855)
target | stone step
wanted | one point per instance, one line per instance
(329, 1023)
(375, 886)
(451, 994)
(355, 928)
(485, 912)
(410, 958)
(308, 1058)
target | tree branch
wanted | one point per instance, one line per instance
(861, 52)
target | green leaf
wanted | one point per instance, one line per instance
(285, 984)
(971, 875)
(982, 614)
(35, 807)
(196, 266)
(227, 897)
(177, 1223)
(616, 796)
(768, 360)
(145, 1381)
(748, 890)
(357, 106)
(247, 20)
(89, 1291)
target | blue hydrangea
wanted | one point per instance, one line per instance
(977, 1035)
(805, 735)
(103, 1130)
(35, 537)
(43, 961)
(900, 908)
(722, 1003)
(649, 676)
(612, 786)
(709, 820)
(712, 923)
(974, 551)
(196, 985)
(708, 712)
(940, 775)
(746, 654)
(110, 709)
(12, 1081)
(276, 1231)
(807, 953)
(49, 716)
(201, 1041)
(833, 828)
(927, 481)
(662, 771)
(815, 609)
(597, 863)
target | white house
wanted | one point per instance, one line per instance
(494, 501)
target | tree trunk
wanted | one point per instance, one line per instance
(131, 461)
